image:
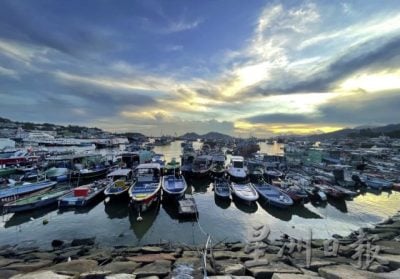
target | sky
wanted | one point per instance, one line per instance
(257, 68)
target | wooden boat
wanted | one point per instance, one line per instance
(13, 193)
(146, 189)
(273, 195)
(57, 174)
(89, 173)
(346, 192)
(120, 182)
(83, 195)
(330, 191)
(295, 192)
(35, 201)
(7, 171)
(222, 189)
(244, 192)
(377, 183)
(174, 186)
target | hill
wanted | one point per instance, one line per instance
(208, 136)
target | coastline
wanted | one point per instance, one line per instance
(368, 253)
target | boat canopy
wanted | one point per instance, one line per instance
(119, 172)
(149, 166)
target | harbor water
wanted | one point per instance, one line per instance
(116, 224)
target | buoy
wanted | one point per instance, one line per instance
(139, 219)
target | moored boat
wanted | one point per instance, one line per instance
(221, 188)
(83, 195)
(202, 165)
(244, 192)
(13, 193)
(236, 169)
(377, 183)
(273, 195)
(120, 182)
(218, 165)
(146, 189)
(35, 201)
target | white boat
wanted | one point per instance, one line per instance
(236, 168)
(245, 192)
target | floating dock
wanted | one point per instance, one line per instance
(187, 207)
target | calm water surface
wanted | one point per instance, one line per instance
(115, 224)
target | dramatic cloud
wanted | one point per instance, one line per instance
(172, 67)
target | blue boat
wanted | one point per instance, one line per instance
(222, 189)
(174, 186)
(13, 193)
(377, 183)
(273, 195)
(83, 195)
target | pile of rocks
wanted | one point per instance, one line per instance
(83, 258)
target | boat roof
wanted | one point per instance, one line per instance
(237, 158)
(149, 166)
(119, 172)
(218, 158)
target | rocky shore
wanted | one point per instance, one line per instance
(368, 253)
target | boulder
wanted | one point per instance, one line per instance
(378, 268)
(94, 275)
(149, 258)
(389, 247)
(83, 241)
(29, 266)
(56, 243)
(5, 262)
(121, 276)
(157, 268)
(294, 276)
(75, 266)
(392, 260)
(121, 267)
(233, 268)
(190, 254)
(151, 249)
(7, 273)
(44, 255)
(266, 271)
(237, 247)
(344, 272)
(41, 275)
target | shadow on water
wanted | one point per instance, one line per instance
(172, 211)
(245, 207)
(149, 216)
(200, 185)
(339, 204)
(24, 217)
(286, 214)
(116, 210)
(222, 203)
(80, 209)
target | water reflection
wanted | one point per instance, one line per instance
(222, 203)
(20, 218)
(80, 209)
(149, 216)
(245, 207)
(288, 213)
(339, 204)
(116, 210)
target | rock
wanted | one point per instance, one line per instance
(267, 271)
(94, 275)
(7, 273)
(158, 268)
(382, 236)
(293, 276)
(253, 263)
(190, 254)
(224, 255)
(44, 255)
(151, 249)
(101, 256)
(232, 268)
(178, 252)
(391, 275)
(344, 272)
(187, 268)
(237, 247)
(6, 262)
(83, 241)
(229, 277)
(30, 266)
(41, 275)
(378, 268)
(56, 243)
(392, 260)
(149, 258)
(121, 276)
(121, 267)
(272, 249)
(75, 266)
(317, 243)
(389, 247)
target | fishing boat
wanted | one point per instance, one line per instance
(6, 171)
(272, 174)
(120, 182)
(172, 167)
(236, 169)
(146, 189)
(88, 166)
(377, 183)
(218, 165)
(202, 165)
(35, 201)
(244, 192)
(346, 192)
(255, 169)
(173, 183)
(159, 159)
(222, 189)
(329, 191)
(13, 193)
(273, 196)
(294, 191)
(57, 174)
(83, 195)
(187, 159)
(89, 173)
